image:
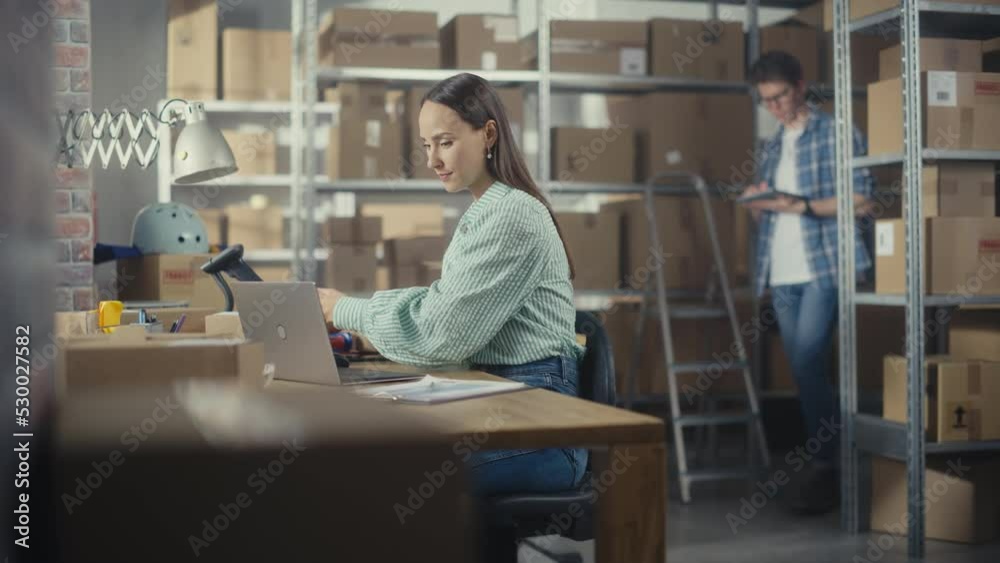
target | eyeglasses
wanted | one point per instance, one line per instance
(777, 98)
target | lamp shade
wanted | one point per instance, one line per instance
(201, 152)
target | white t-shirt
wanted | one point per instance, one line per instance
(789, 264)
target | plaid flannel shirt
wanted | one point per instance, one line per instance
(815, 160)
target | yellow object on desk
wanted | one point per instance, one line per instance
(109, 315)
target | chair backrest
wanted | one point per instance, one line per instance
(597, 372)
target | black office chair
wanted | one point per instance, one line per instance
(511, 519)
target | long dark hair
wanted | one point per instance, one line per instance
(477, 102)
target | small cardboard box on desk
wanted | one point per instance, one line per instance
(130, 356)
(169, 277)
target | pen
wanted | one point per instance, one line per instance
(178, 323)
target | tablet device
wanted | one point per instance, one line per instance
(768, 195)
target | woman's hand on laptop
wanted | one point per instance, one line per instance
(328, 298)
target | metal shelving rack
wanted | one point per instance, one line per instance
(864, 433)
(304, 35)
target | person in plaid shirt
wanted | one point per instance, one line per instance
(797, 255)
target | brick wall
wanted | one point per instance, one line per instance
(74, 190)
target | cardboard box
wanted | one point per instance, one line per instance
(225, 323)
(991, 55)
(593, 155)
(959, 189)
(115, 360)
(352, 230)
(802, 41)
(695, 49)
(216, 225)
(256, 229)
(975, 334)
(381, 38)
(192, 49)
(481, 41)
(430, 270)
(683, 265)
(191, 448)
(194, 317)
(706, 134)
(415, 163)
(961, 496)
(351, 268)
(256, 64)
(256, 152)
(608, 47)
(382, 278)
(75, 323)
(957, 107)
(366, 141)
(863, 8)
(935, 54)
(865, 49)
(405, 258)
(593, 240)
(407, 220)
(169, 277)
(960, 401)
(962, 254)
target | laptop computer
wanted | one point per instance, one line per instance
(288, 318)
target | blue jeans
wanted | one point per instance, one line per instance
(531, 470)
(806, 314)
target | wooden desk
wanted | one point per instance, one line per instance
(628, 453)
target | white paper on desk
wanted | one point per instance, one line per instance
(430, 390)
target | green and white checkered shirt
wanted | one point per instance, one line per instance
(504, 296)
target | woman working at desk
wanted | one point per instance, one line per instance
(504, 303)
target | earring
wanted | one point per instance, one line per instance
(489, 155)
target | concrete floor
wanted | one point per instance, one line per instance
(699, 533)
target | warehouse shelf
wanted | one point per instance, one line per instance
(251, 107)
(279, 255)
(913, 20)
(887, 438)
(381, 186)
(619, 83)
(975, 20)
(927, 154)
(277, 181)
(417, 76)
(951, 300)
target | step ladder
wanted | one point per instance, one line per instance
(707, 418)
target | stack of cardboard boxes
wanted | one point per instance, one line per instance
(366, 138)
(379, 38)
(959, 197)
(413, 242)
(958, 407)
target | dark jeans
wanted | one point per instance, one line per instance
(806, 314)
(531, 470)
